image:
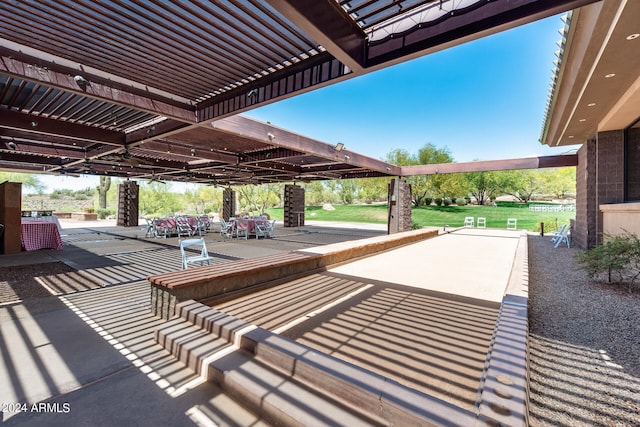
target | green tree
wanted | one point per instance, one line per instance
(423, 186)
(258, 198)
(373, 189)
(156, 198)
(319, 192)
(483, 186)
(27, 180)
(204, 199)
(439, 185)
(521, 184)
(558, 181)
(346, 190)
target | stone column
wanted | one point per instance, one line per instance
(11, 217)
(293, 206)
(128, 202)
(600, 180)
(633, 165)
(399, 201)
(228, 203)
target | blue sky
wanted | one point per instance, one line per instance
(483, 100)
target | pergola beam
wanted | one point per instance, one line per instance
(272, 135)
(32, 125)
(328, 25)
(492, 165)
(52, 74)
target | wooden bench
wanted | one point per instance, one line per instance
(202, 283)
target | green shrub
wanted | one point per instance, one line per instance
(618, 256)
(104, 213)
(428, 201)
(438, 201)
(460, 201)
(446, 201)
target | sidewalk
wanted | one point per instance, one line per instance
(91, 355)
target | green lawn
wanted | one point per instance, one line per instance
(440, 216)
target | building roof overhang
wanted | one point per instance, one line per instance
(596, 86)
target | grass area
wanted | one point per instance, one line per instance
(438, 216)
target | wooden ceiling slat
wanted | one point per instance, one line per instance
(227, 32)
(34, 89)
(168, 47)
(196, 45)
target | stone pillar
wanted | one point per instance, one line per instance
(633, 165)
(399, 202)
(11, 217)
(583, 232)
(600, 180)
(293, 206)
(128, 202)
(228, 203)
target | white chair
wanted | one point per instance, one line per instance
(562, 236)
(512, 223)
(226, 228)
(202, 257)
(555, 236)
(468, 221)
(242, 228)
(183, 227)
(261, 229)
(481, 223)
(151, 228)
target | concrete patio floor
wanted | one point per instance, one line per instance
(92, 357)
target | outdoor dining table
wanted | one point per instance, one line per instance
(250, 222)
(40, 235)
(49, 218)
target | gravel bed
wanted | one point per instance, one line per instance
(584, 344)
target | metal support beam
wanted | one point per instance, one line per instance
(493, 165)
(328, 25)
(269, 134)
(52, 74)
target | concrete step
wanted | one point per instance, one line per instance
(191, 344)
(279, 398)
(262, 389)
(377, 398)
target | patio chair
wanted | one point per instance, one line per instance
(242, 229)
(482, 222)
(556, 235)
(468, 221)
(151, 228)
(271, 228)
(161, 227)
(226, 228)
(201, 258)
(183, 227)
(198, 225)
(261, 230)
(512, 223)
(562, 236)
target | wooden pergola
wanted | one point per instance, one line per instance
(153, 90)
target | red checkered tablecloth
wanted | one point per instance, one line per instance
(40, 235)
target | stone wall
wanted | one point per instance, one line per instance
(399, 200)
